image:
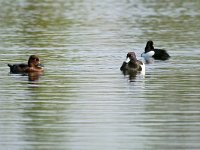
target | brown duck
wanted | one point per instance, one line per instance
(32, 66)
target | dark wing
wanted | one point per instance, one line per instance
(123, 67)
(17, 68)
(161, 54)
(140, 63)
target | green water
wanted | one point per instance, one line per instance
(83, 101)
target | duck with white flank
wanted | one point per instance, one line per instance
(157, 54)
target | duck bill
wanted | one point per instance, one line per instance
(40, 65)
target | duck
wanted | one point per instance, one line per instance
(33, 65)
(155, 54)
(132, 65)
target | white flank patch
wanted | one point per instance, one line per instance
(143, 69)
(148, 56)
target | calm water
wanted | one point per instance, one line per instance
(83, 101)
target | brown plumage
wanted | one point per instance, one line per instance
(33, 65)
(132, 65)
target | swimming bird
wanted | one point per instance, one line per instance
(132, 65)
(32, 66)
(157, 54)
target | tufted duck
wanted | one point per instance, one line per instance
(151, 52)
(132, 65)
(32, 66)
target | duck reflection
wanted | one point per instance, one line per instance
(34, 76)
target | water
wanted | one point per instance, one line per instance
(83, 101)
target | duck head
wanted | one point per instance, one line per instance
(149, 46)
(131, 57)
(34, 61)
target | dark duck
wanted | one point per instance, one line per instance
(32, 66)
(151, 52)
(132, 65)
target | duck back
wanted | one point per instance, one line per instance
(17, 68)
(161, 54)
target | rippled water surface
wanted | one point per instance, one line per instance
(83, 101)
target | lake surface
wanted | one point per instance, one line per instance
(83, 101)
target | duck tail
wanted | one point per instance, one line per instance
(9, 65)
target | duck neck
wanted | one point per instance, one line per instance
(31, 64)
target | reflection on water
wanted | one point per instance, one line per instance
(32, 76)
(83, 101)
